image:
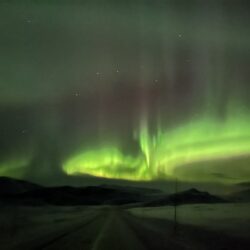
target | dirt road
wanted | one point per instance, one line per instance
(114, 228)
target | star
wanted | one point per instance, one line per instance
(27, 20)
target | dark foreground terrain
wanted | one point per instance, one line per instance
(106, 227)
(33, 217)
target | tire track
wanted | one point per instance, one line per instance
(117, 234)
(48, 241)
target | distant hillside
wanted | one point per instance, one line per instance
(134, 189)
(241, 196)
(93, 195)
(190, 196)
(14, 186)
(17, 192)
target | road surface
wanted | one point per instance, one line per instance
(111, 228)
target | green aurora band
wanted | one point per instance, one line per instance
(132, 90)
(205, 138)
(15, 167)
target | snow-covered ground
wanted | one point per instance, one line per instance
(116, 228)
(231, 218)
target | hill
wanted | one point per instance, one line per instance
(17, 192)
(15, 186)
(241, 196)
(190, 196)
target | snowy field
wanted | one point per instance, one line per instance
(232, 218)
(208, 227)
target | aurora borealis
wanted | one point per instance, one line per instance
(134, 90)
(206, 139)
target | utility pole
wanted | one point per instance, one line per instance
(175, 206)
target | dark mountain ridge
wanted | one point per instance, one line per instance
(18, 192)
(190, 196)
(240, 196)
(15, 186)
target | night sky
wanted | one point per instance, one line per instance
(125, 90)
